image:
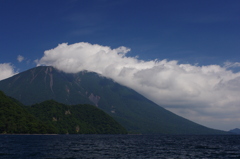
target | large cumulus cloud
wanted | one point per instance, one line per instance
(206, 94)
(6, 70)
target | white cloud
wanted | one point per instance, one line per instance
(231, 64)
(6, 70)
(20, 58)
(205, 94)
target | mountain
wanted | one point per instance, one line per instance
(235, 131)
(15, 119)
(51, 117)
(132, 110)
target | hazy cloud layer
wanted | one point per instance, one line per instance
(206, 94)
(6, 70)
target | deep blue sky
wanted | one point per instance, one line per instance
(190, 31)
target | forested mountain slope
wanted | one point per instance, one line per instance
(51, 117)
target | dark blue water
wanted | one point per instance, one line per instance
(118, 146)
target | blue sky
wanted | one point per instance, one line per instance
(203, 35)
(199, 31)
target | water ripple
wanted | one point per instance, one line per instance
(118, 146)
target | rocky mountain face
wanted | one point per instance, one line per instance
(136, 113)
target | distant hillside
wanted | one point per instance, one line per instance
(235, 131)
(76, 119)
(132, 110)
(14, 119)
(51, 117)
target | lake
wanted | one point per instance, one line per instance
(119, 146)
